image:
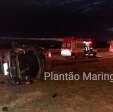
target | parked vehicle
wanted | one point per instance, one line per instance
(77, 47)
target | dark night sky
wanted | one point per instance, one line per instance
(33, 17)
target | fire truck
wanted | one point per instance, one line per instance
(77, 47)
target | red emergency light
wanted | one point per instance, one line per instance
(87, 42)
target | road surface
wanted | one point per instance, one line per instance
(62, 96)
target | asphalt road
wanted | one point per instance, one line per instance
(63, 96)
(103, 62)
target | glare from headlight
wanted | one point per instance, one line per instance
(5, 65)
(66, 52)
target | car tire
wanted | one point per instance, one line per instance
(36, 65)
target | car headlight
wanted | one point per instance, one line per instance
(66, 52)
(5, 67)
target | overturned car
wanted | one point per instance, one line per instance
(22, 63)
